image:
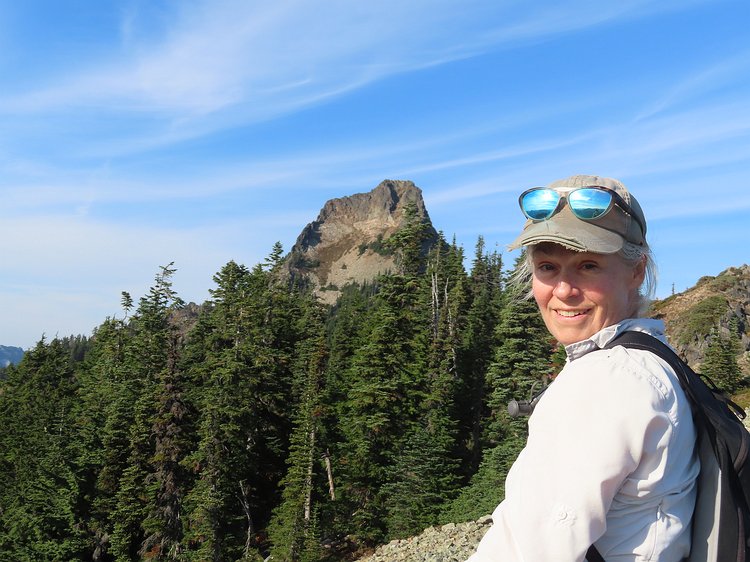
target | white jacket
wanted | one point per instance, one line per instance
(609, 460)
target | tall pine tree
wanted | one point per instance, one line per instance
(720, 359)
(293, 530)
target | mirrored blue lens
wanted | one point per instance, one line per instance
(540, 203)
(589, 203)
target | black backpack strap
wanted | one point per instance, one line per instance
(593, 555)
(697, 387)
(642, 340)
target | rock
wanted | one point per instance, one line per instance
(345, 243)
(453, 542)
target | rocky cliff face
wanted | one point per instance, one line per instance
(345, 244)
(721, 302)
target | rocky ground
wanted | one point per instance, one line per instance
(449, 543)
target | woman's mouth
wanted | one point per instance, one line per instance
(571, 313)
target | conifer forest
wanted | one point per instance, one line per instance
(267, 424)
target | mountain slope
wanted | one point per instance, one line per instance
(721, 302)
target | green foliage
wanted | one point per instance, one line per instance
(742, 398)
(271, 425)
(239, 360)
(294, 531)
(409, 241)
(722, 282)
(420, 480)
(486, 299)
(378, 246)
(720, 360)
(40, 516)
(486, 488)
(521, 364)
(700, 318)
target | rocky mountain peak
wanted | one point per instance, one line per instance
(345, 244)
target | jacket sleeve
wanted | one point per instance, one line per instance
(587, 436)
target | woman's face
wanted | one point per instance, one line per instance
(579, 293)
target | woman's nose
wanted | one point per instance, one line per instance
(564, 288)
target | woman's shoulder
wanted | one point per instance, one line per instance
(622, 378)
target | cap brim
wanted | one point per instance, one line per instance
(571, 232)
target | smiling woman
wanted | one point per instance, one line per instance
(581, 293)
(615, 425)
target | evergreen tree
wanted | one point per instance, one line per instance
(103, 416)
(720, 359)
(424, 474)
(223, 366)
(486, 296)
(241, 356)
(39, 500)
(346, 331)
(522, 363)
(171, 431)
(293, 530)
(147, 517)
(385, 385)
(410, 242)
(379, 404)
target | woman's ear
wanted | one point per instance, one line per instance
(639, 273)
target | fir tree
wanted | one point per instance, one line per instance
(241, 356)
(146, 512)
(293, 530)
(424, 474)
(103, 416)
(720, 359)
(410, 241)
(39, 501)
(486, 296)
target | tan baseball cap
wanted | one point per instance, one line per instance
(605, 235)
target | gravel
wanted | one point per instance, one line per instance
(449, 543)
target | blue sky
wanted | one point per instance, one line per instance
(137, 133)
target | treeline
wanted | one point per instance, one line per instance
(274, 425)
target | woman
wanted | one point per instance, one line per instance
(609, 459)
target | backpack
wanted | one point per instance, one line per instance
(721, 521)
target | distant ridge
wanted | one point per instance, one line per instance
(10, 355)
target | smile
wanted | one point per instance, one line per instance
(571, 313)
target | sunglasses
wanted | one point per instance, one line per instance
(587, 203)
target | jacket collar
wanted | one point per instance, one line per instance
(603, 337)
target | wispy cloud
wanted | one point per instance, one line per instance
(714, 78)
(222, 64)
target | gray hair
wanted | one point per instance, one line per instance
(631, 254)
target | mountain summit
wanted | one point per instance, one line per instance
(346, 243)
